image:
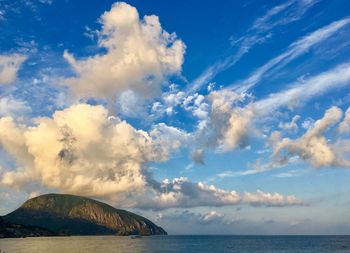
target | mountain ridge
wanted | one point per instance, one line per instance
(66, 214)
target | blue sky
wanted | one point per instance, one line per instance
(226, 118)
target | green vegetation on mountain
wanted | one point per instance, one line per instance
(74, 215)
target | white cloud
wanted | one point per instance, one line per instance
(9, 66)
(290, 11)
(128, 103)
(264, 22)
(308, 123)
(139, 56)
(313, 146)
(197, 156)
(169, 138)
(261, 198)
(258, 33)
(233, 117)
(181, 192)
(296, 49)
(302, 91)
(94, 154)
(290, 173)
(231, 121)
(230, 125)
(257, 169)
(170, 100)
(290, 126)
(197, 105)
(213, 70)
(211, 86)
(344, 126)
(15, 108)
(212, 216)
(206, 218)
(89, 154)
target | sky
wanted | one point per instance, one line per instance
(228, 117)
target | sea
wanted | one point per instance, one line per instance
(175, 243)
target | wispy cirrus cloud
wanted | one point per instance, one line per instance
(258, 33)
(290, 173)
(295, 50)
(301, 91)
(285, 13)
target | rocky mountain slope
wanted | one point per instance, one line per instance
(74, 215)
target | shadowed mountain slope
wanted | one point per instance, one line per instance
(75, 215)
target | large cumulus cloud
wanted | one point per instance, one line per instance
(139, 56)
(80, 150)
(83, 150)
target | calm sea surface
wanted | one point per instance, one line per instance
(106, 244)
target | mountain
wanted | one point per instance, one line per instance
(2, 226)
(9, 230)
(74, 215)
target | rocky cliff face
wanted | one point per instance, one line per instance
(74, 215)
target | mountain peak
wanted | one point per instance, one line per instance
(76, 215)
